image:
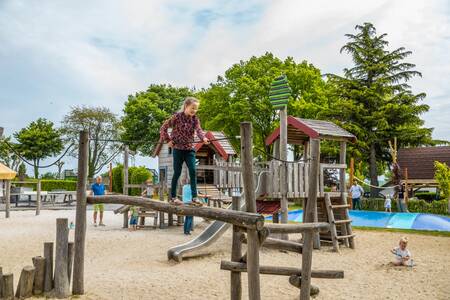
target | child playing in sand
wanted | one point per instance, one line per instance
(187, 199)
(133, 215)
(402, 255)
(184, 125)
(387, 203)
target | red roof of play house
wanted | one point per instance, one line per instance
(218, 141)
(420, 161)
(267, 207)
(300, 130)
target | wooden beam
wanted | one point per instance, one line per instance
(80, 221)
(125, 182)
(239, 218)
(236, 253)
(296, 228)
(279, 244)
(8, 286)
(38, 197)
(282, 271)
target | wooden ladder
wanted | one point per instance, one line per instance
(345, 223)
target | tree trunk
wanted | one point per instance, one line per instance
(36, 169)
(373, 171)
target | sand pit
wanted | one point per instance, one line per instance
(133, 265)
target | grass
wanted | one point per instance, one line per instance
(408, 231)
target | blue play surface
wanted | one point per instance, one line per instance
(389, 220)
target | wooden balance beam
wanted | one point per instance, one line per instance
(238, 218)
(283, 271)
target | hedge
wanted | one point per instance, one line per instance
(52, 184)
(439, 207)
(427, 196)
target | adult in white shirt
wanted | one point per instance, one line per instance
(356, 191)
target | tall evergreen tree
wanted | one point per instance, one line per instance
(374, 100)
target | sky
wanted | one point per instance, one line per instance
(58, 54)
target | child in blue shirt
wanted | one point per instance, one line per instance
(187, 199)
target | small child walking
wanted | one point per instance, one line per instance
(187, 199)
(387, 203)
(133, 215)
(184, 125)
(402, 255)
(148, 191)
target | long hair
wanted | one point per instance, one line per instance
(188, 101)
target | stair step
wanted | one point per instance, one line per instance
(341, 206)
(342, 221)
(345, 236)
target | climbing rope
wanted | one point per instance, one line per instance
(374, 186)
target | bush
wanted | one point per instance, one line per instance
(136, 175)
(427, 196)
(438, 207)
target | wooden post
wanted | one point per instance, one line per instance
(236, 254)
(342, 160)
(8, 198)
(161, 198)
(352, 177)
(48, 255)
(70, 255)
(8, 286)
(25, 285)
(61, 259)
(38, 197)
(254, 292)
(39, 275)
(110, 189)
(80, 222)
(405, 194)
(283, 173)
(309, 217)
(1, 282)
(125, 182)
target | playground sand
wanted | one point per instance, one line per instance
(133, 265)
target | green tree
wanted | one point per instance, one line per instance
(242, 94)
(22, 172)
(442, 176)
(102, 126)
(38, 141)
(7, 155)
(145, 112)
(374, 101)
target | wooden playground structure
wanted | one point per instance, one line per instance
(247, 225)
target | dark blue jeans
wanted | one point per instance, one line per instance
(179, 157)
(188, 224)
(356, 202)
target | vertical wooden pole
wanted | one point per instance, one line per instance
(48, 255)
(161, 198)
(236, 254)
(352, 177)
(38, 197)
(405, 194)
(254, 292)
(1, 280)
(110, 178)
(283, 173)
(125, 182)
(62, 289)
(8, 198)
(8, 286)
(25, 284)
(342, 160)
(80, 221)
(39, 275)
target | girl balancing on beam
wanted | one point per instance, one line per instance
(185, 124)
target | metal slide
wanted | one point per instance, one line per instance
(206, 238)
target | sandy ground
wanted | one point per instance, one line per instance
(133, 265)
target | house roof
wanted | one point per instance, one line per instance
(420, 161)
(300, 130)
(218, 140)
(6, 173)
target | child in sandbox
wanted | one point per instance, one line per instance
(387, 203)
(133, 215)
(402, 255)
(184, 125)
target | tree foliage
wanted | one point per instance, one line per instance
(242, 94)
(102, 125)
(7, 156)
(373, 100)
(442, 176)
(145, 112)
(38, 141)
